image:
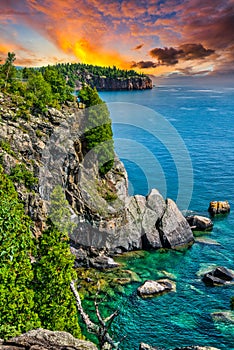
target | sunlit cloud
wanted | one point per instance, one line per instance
(150, 35)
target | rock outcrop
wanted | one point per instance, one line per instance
(199, 223)
(41, 339)
(219, 207)
(219, 276)
(103, 215)
(110, 84)
(153, 288)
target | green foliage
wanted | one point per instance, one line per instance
(16, 274)
(7, 147)
(98, 134)
(39, 91)
(34, 90)
(60, 213)
(33, 295)
(61, 91)
(7, 70)
(80, 71)
(22, 175)
(53, 273)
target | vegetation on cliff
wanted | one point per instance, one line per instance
(36, 271)
(16, 271)
(33, 90)
(35, 274)
(98, 134)
(86, 73)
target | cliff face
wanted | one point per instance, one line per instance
(103, 215)
(137, 83)
(109, 84)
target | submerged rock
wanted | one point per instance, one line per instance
(223, 316)
(152, 288)
(42, 339)
(219, 276)
(219, 207)
(199, 223)
(103, 262)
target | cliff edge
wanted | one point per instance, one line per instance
(102, 213)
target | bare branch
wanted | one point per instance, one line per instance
(89, 324)
(111, 317)
(101, 331)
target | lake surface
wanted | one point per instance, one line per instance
(196, 162)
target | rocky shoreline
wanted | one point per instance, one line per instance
(41, 339)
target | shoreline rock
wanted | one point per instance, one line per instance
(199, 223)
(219, 207)
(42, 339)
(219, 276)
(153, 288)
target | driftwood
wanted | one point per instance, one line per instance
(100, 330)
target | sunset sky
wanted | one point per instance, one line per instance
(189, 37)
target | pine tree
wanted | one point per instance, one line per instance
(8, 71)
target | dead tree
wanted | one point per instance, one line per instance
(106, 342)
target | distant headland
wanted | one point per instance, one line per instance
(103, 78)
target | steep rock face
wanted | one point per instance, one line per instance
(109, 84)
(103, 215)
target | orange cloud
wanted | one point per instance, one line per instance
(104, 32)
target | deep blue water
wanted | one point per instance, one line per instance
(155, 156)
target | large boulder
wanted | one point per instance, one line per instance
(150, 236)
(156, 202)
(199, 223)
(219, 276)
(219, 207)
(42, 339)
(152, 288)
(174, 229)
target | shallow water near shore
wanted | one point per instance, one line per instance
(204, 118)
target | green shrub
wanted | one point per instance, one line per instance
(7, 147)
(22, 175)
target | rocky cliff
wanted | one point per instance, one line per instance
(103, 215)
(103, 83)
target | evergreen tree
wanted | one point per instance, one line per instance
(8, 71)
(59, 88)
(39, 91)
(16, 274)
(53, 274)
(98, 132)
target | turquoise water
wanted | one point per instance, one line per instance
(204, 118)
